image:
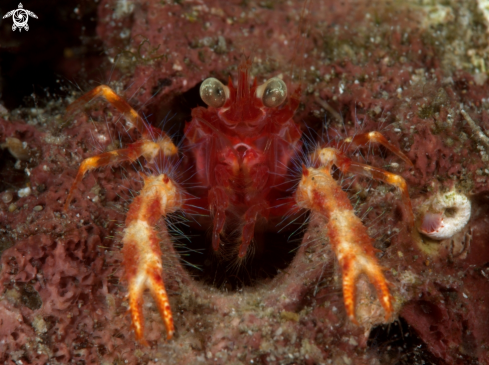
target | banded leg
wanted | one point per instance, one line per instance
(388, 178)
(120, 104)
(347, 165)
(154, 141)
(141, 250)
(365, 138)
(352, 245)
(146, 148)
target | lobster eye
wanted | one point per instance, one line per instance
(213, 92)
(273, 92)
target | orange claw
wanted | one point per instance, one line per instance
(159, 196)
(352, 268)
(142, 253)
(351, 243)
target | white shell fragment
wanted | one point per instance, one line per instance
(447, 214)
(22, 193)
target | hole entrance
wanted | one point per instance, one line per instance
(270, 253)
(174, 111)
(272, 249)
(10, 177)
(451, 212)
(397, 343)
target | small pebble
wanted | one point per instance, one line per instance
(17, 148)
(38, 208)
(394, 166)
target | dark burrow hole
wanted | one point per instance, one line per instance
(172, 114)
(399, 344)
(272, 251)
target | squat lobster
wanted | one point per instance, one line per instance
(241, 148)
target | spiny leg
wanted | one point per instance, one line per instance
(364, 139)
(154, 141)
(142, 253)
(219, 202)
(148, 132)
(148, 149)
(351, 243)
(258, 205)
(120, 104)
(388, 178)
(250, 218)
(347, 165)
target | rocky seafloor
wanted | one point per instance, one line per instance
(406, 69)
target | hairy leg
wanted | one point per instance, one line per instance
(154, 141)
(347, 165)
(364, 139)
(260, 209)
(141, 252)
(120, 104)
(219, 202)
(352, 245)
(159, 196)
(148, 149)
(391, 179)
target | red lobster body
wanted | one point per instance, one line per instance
(242, 151)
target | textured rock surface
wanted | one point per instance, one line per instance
(406, 71)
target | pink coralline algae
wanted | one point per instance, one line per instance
(388, 68)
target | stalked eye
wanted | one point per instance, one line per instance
(213, 92)
(273, 92)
